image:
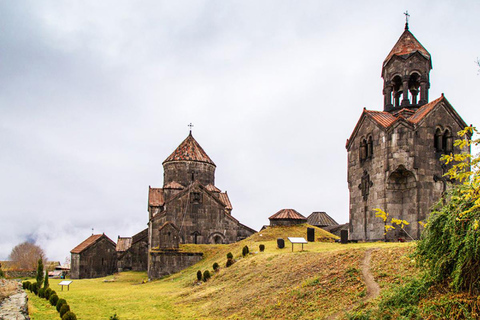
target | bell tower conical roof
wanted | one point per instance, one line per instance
(406, 74)
(189, 150)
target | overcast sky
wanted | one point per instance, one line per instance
(94, 95)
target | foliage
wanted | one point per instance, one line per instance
(261, 247)
(26, 285)
(60, 303)
(39, 272)
(245, 251)
(450, 245)
(45, 283)
(389, 225)
(34, 288)
(69, 316)
(26, 255)
(229, 255)
(2, 274)
(206, 276)
(215, 266)
(199, 275)
(114, 317)
(48, 293)
(41, 293)
(64, 309)
(53, 299)
(229, 262)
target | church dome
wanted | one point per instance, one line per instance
(188, 163)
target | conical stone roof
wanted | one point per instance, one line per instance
(189, 150)
(407, 44)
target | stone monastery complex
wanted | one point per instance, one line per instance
(393, 164)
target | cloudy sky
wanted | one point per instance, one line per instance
(94, 95)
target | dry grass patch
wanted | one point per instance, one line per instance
(7, 288)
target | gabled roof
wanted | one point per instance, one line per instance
(290, 214)
(168, 223)
(155, 197)
(321, 219)
(407, 44)
(173, 185)
(140, 236)
(210, 187)
(189, 150)
(90, 241)
(123, 243)
(226, 201)
(385, 120)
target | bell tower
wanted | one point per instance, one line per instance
(406, 74)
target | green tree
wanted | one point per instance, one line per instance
(45, 283)
(39, 272)
(450, 245)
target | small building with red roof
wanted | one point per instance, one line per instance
(287, 217)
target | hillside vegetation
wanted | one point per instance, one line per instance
(320, 282)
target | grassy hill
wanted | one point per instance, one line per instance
(317, 283)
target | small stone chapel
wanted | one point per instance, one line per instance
(394, 155)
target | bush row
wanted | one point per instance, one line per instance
(50, 295)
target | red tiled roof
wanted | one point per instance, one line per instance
(383, 118)
(210, 187)
(287, 214)
(189, 150)
(424, 110)
(89, 241)
(173, 185)
(123, 243)
(225, 200)
(155, 197)
(407, 44)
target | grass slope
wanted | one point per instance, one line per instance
(275, 284)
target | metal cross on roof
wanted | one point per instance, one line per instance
(190, 126)
(407, 15)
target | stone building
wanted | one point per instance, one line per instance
(191, 201)
(287, 217)
(321, 219)
(393, 155)
(95, 257)
(132, 252)
(188, 209)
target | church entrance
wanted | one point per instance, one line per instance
(216, 238)
(402, 201)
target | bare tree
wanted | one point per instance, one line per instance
(25, 256)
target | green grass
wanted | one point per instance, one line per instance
(274, 284)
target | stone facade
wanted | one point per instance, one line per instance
(164, 262)
(95, 257)
(134, 255)
(393, 156)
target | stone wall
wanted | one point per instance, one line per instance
(98, 260)
(181, 172)
(163, 263)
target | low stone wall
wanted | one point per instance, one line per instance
(163, 263)
(16, 274)
(15, 307)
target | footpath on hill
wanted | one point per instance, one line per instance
(14, 305)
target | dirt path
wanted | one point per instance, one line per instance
(373, 289)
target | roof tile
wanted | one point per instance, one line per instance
(225, 200)
(155, 197)
(321, 219)
(89, 241)
(189, 150)
(287, 214)
(407, 44)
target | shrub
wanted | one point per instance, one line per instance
(114, 317)
(41, 293)
(34, 288)
(60, 303)
(53, 299)
(2, 274)
(206, 275)
(26, 285)
(245, 251)
(46, 284)
(199, 275)
(215, 266)
(229, 262)
(69, 316)
(48, 293)
(261, 247)
(40, 273)
(229, 255)
(64, 309)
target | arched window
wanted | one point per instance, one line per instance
(397, 90)
(363, 150)
(438, 140)
(448, 141)
(370, 147)
(414, 86)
